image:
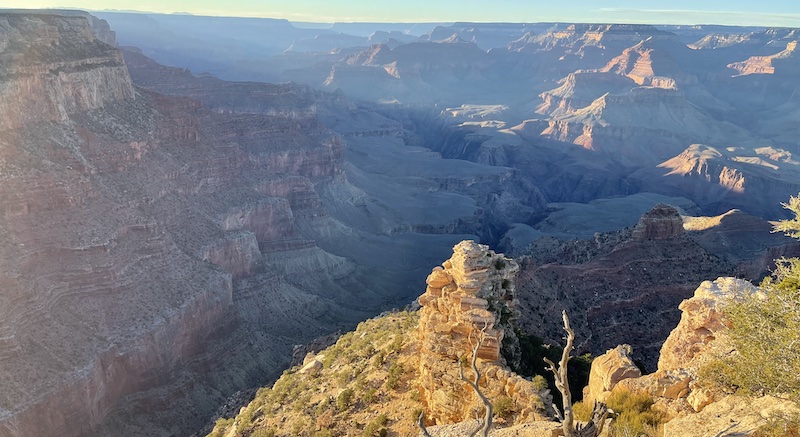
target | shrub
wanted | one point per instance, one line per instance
(764, 331)
(263, 432)
(582, 411)
(635, 415)
(780, 425)
(395, 372)
(504, 407)
(221, 426)
(344, 399)
(369, 396)
(415, 414)
(377, 427)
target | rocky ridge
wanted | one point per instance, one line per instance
(469, 301)
(468, 298)
(55, 65)
(700, 336)
(610, 283)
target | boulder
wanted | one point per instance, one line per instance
(607, 371)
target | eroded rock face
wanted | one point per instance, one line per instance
(134, 232)
(701, 335)
(52, 66)
(702, 329)
(468, 298)
(661, 222)
(608, 370)
(729, 417)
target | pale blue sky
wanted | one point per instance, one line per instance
(741, 12)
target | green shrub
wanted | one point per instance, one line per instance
(504, 407)
(415, 414)
(344, 399)
(581, 411)
(395, 372)
(221, 426)
(377, 427)
(369, 396)
(780, 425)
(263, 432)
(635, 415)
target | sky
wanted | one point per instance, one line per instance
(734, 12)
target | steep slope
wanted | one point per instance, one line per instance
(624, 287)
(392, 368)
(725, 178)
(140, 231)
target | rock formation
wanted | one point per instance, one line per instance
(54, 65)
(700, 336)
(607, 371)
(625, 286)
(660, 223)
(470, 299)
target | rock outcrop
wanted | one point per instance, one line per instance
(700, 336)
(607, 371)
(701, 333)
(470, 301)
(731, 416)
(660, 223)
(54, 65)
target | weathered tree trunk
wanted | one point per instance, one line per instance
(600, 411)
(421, 425)
(595, 425)
(487, 417)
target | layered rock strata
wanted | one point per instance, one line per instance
(625, 286)
(52, 66)
(141, 236)
(469, 303)
(700, 336)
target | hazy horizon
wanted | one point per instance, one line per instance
(783, 13)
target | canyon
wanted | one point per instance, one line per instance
(175, 219)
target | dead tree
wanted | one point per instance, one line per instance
(486, 425)
(421, 425)
(567, 418)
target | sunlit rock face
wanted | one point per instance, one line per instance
(468, 304)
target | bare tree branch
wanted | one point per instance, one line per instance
(489, 411)
(421, 425)
(562, 383)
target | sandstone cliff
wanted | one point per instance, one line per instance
(471, 301)
(53, 66)
(700, 336)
